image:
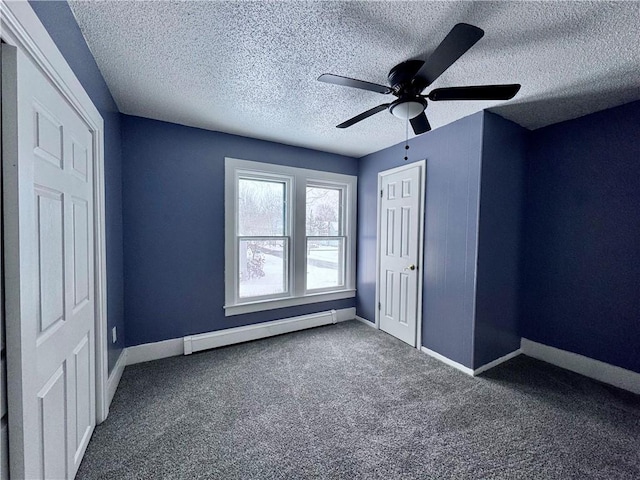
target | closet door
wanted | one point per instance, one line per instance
(49, 273)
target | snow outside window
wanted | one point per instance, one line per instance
(289, 236)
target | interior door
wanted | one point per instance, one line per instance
(49, 273)
(400, 236)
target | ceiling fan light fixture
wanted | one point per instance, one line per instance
(407, 109)
(409, 79)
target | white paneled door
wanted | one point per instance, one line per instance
(49, 273)
(400, 242)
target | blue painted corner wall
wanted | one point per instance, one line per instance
(581, 285)
(453, 157)
(173, 199)
(497, 308)
(63, 29)
(473, 224)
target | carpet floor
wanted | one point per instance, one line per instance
(348, 401)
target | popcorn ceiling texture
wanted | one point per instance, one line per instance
(250, 68)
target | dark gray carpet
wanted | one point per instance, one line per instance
(347, 401)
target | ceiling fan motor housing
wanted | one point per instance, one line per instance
(401, 75)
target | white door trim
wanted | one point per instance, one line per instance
(21, 27)
(422, 164)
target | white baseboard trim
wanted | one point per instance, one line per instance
(365, 321)
(448, 361)
(230, 336)
(154, 351)
(469, 371)
(589, 367)
(496, 362)
(116, 375)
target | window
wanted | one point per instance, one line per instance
(262, 237)
(325, 237)
(289, 236)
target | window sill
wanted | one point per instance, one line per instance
(239, 309)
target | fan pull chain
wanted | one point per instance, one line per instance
(406, 145)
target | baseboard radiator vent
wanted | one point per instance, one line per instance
(230, 336)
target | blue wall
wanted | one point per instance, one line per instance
(500, 240)
(173, 181)
(582, 275)
(61, 25)
(453, 155)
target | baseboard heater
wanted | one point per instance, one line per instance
(230, 336)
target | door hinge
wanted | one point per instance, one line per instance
(379, 306)
(380, 193)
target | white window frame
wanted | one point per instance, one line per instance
(288, 182)
(312, 182)
(297, 180)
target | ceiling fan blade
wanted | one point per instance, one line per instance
(460, 39)
(363, 115)
(352, 82)
(480, 92)
(420, 124)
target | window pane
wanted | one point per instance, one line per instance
(324, 211)
(262, 267)
(261, 207)
(325, 263)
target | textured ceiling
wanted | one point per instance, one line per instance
(250, 68)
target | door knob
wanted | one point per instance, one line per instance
(410, 267)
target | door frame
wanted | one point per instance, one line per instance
(21, 27)
(422, 165)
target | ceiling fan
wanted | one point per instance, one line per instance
(409, 79)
